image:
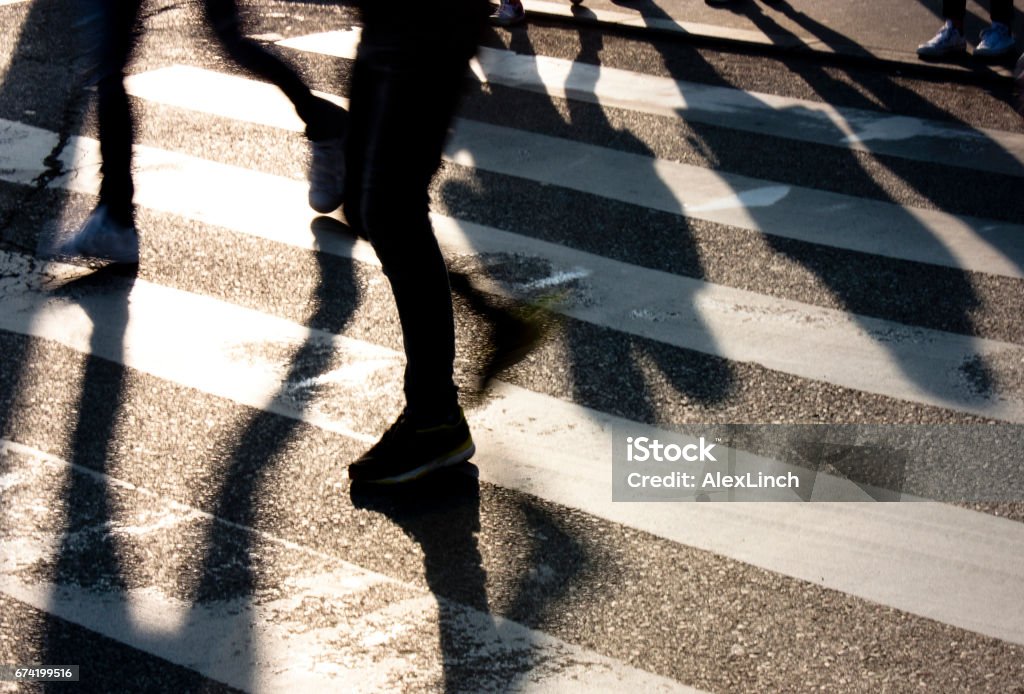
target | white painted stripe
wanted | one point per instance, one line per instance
(207, 91)
(10, 2)
(337, 44)
(637, 20)
(944, 563)
(831, 219)
(857, 352)
(270, 646)
(22, 151)
(767, 114)
(805, 214)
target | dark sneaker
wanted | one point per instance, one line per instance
(327, 174)
(406, 452)
(102, 237)
(508, 14)
(995, 41)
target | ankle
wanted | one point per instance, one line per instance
(426, 418)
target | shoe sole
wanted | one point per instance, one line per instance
(506, 23)
(68, 253)
(979, 53)
(459, 456)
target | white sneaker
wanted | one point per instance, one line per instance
(102, 238)
(327, 175)
(947, 42)
(995, 41)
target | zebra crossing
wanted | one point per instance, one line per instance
(948, 569)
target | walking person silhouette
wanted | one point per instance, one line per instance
(409, 74)
(110, 28)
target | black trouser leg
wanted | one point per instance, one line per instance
(109, 29)
(403, 100)
(322, 118)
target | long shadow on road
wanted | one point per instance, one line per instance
(602, 366)
(442, 514)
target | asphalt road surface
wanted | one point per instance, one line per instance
(714, 234)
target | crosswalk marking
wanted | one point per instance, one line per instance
(949, 564)
(658, 23)
(862, 353)
(915, 139)
(264, 645)
(22, 151)
(793, 212)
(805, 214)
(220, 349)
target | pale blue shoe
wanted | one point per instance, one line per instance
(102, 238)
(995, 41)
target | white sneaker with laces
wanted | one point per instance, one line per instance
(946, 42)
(327, 175)
(102, 238)
(995, 41)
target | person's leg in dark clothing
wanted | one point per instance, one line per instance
(1001, 11)
(949, 40)
(108, 28)
(955, 10)
(323, 119)
(409, 73)
(997, 39)
(326, 122)
(400, 121)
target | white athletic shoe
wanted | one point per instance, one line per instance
(947, 41)
(102, 238)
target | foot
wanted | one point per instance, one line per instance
(508, 14)
(514, 338)
(995, 41)
(102, 238)
(948, 41)
(327, 174)
(407, 451)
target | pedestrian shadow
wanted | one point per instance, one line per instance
(60, 100)
(228, 573)
(886, 93)
(557, 562)
(94, 556)
(89, 554)
(868, 286)
(35, 92)
(602, 364)
(441, 513)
